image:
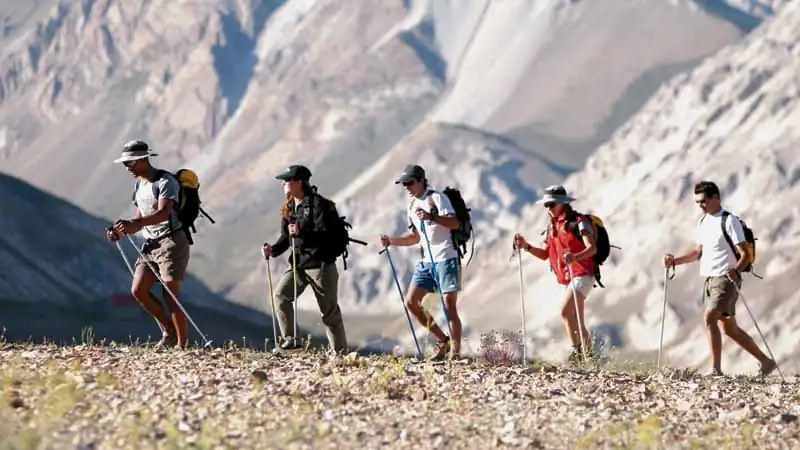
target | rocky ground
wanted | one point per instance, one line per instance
(110, 396)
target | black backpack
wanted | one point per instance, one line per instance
(339, 231)
(188, 207)
(465, 232)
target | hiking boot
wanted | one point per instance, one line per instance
(290, 344)
(767, 368)
(441, 349)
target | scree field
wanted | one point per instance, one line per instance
(111, 397)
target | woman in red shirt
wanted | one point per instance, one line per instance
(569, 247)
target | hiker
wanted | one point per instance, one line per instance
(564, 249)
(436, 210)
(166, 243)
(307, 218)
(721, 270)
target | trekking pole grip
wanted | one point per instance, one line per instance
(670, 277)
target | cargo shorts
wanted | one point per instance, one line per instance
(719, 293)
(169, 255)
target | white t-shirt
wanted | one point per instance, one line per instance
(439, 235)
(717, 255)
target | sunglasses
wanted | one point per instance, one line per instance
(550, 205)
(409, 183)
(130, 164)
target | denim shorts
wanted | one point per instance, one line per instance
(448, 272)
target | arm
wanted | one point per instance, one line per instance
(690, 257)
(735, 231)
(588, 241)
(540, 253)
(161, 215)
(447, 214)
(283, 242)
(167, 196)
(411, 238)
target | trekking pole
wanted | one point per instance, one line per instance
(522, 304)
(272, 302)
(294, 279)
(436, 278)
(124, 258)
(402, 300)
(207, 343)
(577, 311)
(667, 277)
(130, 269)
(771, 355)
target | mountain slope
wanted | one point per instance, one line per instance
(239, 89)
(732, 120)
(59, 275)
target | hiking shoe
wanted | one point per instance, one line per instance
(441, 349)
(767, 368)
(290, 344)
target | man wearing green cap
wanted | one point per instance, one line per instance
(305, 228)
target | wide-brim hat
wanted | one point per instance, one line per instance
(555, 194)
(135, 150)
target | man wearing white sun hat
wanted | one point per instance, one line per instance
(155, 197)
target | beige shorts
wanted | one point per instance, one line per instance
(169, 255)
(583, 285)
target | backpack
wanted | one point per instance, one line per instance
(465, 232)
(750, 242)
(339, 231)
(188, 207)
(602, 241)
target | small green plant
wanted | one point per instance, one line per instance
(87, 336)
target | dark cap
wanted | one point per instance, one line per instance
(411, 173)
(295, 172)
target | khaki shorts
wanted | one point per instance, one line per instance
(169, 255)
(719, 293)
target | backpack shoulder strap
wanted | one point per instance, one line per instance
(723, 222)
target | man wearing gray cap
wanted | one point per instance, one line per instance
(432, 213)
(167, 245)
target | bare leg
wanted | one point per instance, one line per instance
(714, 337)
(455, 321)
(571, 320)
(741, 337)
(143, 282)
(414, 304)
(179, 320)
